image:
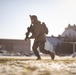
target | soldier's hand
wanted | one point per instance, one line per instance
(25, 39)
(28, 38)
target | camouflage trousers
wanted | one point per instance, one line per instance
(41, 46)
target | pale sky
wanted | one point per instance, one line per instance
(14, 16)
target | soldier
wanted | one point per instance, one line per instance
(39, 38)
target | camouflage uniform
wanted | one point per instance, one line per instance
(40, 39)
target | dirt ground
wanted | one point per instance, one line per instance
(29, 66)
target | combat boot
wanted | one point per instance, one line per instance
(52, 54)
(38, 58)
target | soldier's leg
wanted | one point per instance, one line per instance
(41, 47)
(35, 46)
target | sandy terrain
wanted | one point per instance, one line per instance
(30, 66)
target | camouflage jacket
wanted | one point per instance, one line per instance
(38, 32)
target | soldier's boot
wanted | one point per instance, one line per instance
(52, 54)
(39, 58)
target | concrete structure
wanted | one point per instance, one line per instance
(51, 43)
(13, 45)
(69, 35)
(70, 31)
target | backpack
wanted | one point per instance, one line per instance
(45, 29)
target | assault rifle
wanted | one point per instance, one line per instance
(29, 29)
